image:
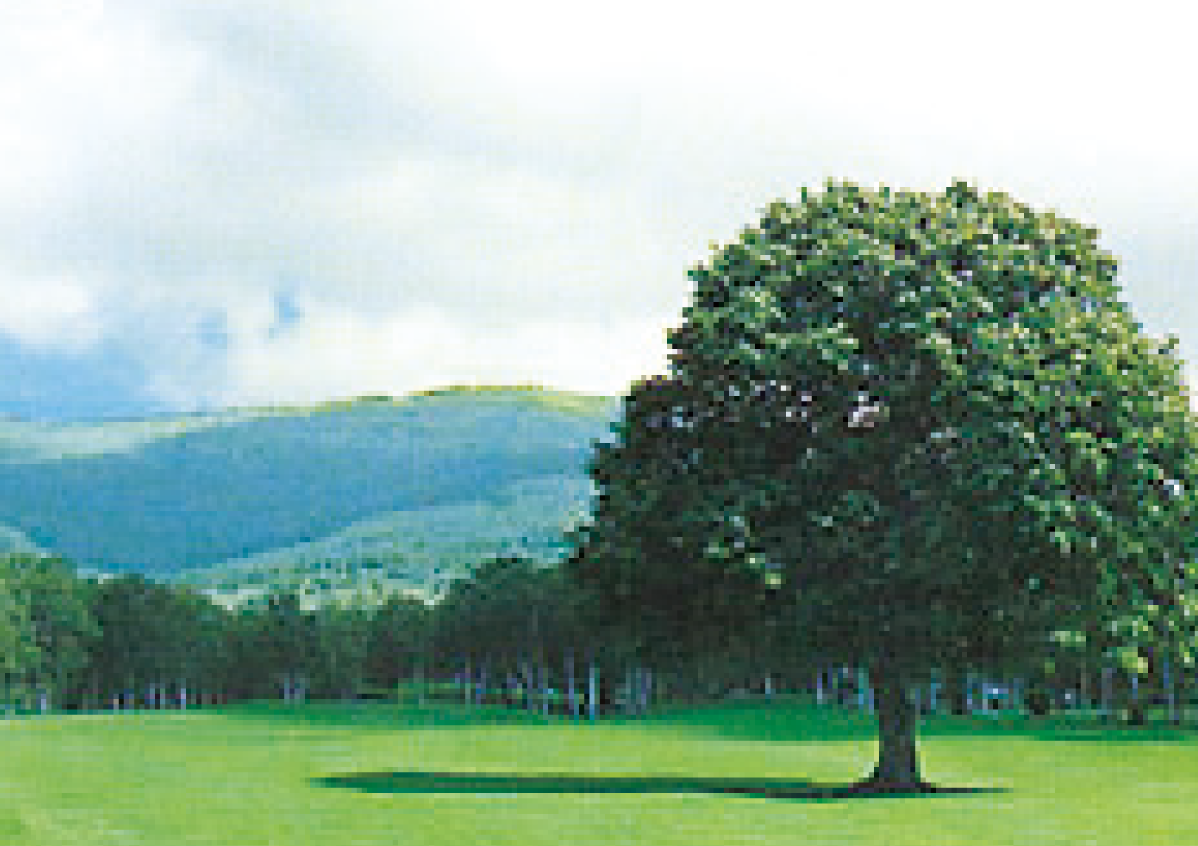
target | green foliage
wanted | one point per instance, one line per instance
(508, 609)
(154, 633)
(342, 643)
(54, 619)
(398, 640)
(18, 649)
(921, 429)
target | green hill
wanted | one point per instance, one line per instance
(408, 490)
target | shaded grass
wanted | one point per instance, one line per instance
(743, 773)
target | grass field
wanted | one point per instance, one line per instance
(745, 773)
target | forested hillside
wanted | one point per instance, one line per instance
(408, 490)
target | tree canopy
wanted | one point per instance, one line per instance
(41, 598)
(922, 429)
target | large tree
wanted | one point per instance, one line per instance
(921, 430)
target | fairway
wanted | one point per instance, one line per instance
(749, 773)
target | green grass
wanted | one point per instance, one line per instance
(748, 773)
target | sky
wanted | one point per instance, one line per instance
(214, 203)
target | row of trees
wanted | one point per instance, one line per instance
(517, 629)
(516, 632)
(118, 642)
(127, 641)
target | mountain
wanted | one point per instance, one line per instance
(409, 490)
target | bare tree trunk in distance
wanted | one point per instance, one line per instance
(592, 690)
(1170, 692)
(570, 684)
(1135, 707)
(1106, 694)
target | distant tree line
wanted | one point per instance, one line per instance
(517, 633)
(129, 642)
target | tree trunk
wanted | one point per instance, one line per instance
(1107, 683)
(592, 690)
(1170, 692)
(528, 683)
(954, 691)
(570, 685)
(1135, 707)
(864, 691)
(898, 722)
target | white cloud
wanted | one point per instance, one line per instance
(50, 313)
(81, 91)
(343, 353)
(529, 180)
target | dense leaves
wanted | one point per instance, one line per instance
(916, 417)
(398, 645)
(45, 623)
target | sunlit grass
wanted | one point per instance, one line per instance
(445, 774)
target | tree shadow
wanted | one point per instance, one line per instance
(562, 783)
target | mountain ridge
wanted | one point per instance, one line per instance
(419, 483)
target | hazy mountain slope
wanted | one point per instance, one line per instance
(13, 541)
(257, 486)
(420, 549)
